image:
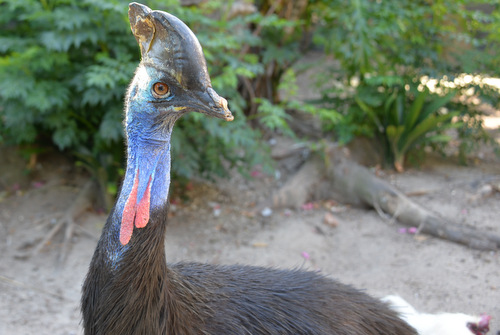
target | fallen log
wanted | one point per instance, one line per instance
(336, 176)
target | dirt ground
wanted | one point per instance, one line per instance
(215, 224)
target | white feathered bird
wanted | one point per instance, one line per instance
(439, 324)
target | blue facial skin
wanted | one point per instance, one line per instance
(149, 128)
(148, 125)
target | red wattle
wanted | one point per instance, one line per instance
(127, 226)
(142, 216)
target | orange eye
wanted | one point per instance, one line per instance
(160, 90)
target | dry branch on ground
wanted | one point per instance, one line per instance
(336, 176)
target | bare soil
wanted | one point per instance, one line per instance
(39, 297)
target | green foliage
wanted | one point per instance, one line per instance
(384, 46)
(273, 116)
(408, 37)
(406, 116)
(65, 66)
(475, 95)
(277, 39)
(205, 146)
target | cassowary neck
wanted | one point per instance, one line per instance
(147, 176)
(124, 291)
(131, 225)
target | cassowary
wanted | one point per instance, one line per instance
(130, 289)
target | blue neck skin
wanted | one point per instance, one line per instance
(152, 160)
(148, 152)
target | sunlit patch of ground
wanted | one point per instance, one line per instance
(492, 121)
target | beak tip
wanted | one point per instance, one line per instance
(228, 116)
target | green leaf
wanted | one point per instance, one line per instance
(416, 109)
(394, 132)
(370, 112)
(436, 104)
(398, 108)
(431, 123)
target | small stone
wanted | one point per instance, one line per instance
(266, 212)
(486, 190)
(217, 212)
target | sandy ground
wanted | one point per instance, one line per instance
(365, 250)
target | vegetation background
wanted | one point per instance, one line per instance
(405, 73)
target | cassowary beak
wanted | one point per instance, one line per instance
(169, 46)
(210, 103)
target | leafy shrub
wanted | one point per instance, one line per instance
(64, 68)
(65, 65)
(404, 116)
(384, 46)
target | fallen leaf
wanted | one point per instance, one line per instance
(248, 214)
(421, 238)
(330, 220)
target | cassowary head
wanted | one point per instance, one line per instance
(172, 78)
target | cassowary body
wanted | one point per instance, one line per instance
(130, 289)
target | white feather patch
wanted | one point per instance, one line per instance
(431, 324)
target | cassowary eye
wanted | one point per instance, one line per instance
(160, 90)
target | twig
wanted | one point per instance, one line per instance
(417, 193)
(81, 203)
